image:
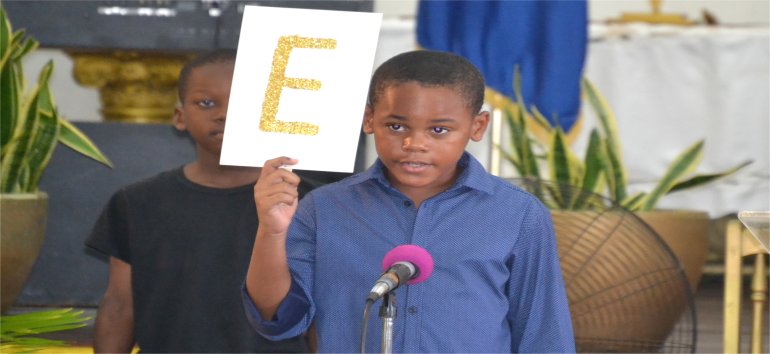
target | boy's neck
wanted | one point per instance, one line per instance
(219, 176)
(420, 194)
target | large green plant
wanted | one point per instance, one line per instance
(601, 171)
(30, 126)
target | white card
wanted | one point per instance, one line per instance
(299, 87)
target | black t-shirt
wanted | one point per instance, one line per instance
(189, 248)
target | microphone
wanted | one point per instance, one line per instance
(408, 264)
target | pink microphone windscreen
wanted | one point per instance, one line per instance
(413, 254)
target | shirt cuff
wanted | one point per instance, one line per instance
(290, 317)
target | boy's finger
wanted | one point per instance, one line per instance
(280, 162)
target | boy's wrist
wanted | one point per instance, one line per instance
(271, 235)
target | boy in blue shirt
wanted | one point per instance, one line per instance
(496, 285)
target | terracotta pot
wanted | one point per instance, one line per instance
(625, 289)
(23, 221)
(686, 233)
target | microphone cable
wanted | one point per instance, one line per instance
(364, 324)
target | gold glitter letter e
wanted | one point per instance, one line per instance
(278, 81)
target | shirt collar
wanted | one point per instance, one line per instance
(473, 175)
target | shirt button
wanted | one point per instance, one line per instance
(412, 309)
(407, 203)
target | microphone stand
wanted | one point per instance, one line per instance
(387, 314)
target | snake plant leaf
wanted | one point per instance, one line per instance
(509, 157)
(539, 118)
(44, 141)
(595, 164)
(617, 179)
(26, 45)
(9, 98)
(526, 165)
(556, 201)
(707, 178)
(558, 160)
(683, 164)
(5, 33)
(13, 162)
(524, 148)
(73, 138)
(633, 202)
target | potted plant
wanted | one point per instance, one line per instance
(30, 128)
(602, 171)
(540, 151)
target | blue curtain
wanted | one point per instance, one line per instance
(547, 39)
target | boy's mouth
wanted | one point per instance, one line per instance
(413, 166)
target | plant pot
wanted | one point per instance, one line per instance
(23, 221)
(625, 289)
(686, 233)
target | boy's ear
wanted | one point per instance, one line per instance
(479, 126)
(368, 127)
(178, 119)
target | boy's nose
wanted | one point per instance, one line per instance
(413, 142)
(221, 114)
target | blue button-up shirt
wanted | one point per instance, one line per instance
(496, 285)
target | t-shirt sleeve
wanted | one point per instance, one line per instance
(110, 234)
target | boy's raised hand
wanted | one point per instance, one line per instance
(276, 196)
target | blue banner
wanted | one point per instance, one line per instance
(547, 39)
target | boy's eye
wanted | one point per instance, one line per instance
(395, 127)
(205, 103)
(439, 130)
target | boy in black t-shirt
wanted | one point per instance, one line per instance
(179, 243)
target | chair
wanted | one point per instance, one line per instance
(739, 243)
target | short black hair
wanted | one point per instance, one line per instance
(431, 69)
(214, 56)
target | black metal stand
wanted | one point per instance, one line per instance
(387, 314)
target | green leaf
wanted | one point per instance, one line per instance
(5, 35)
(9, 104)
(539, 118)
(595, 164)
(616, 173)
(703, 179)
(683, 164)
(509, 157)
(520, 133)
(73, 138)
(633, 202)
(13, 163)
(16, 329)
(558, 159)
(42, 148)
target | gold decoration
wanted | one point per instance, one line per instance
(136, 87)
(278, 81)
(656, 16)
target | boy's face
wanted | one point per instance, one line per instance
(420, 133)
(204, 109)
